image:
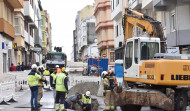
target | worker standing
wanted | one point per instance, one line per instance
(61, 90)
(58, 69)
(33, 78)
(86, 101)
(109, 85)
(52, 81)
(40, 85)
(46, 72)
(112, 76)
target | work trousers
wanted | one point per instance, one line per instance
(109, 100)
(88, 107)
(34, 97)
(60, 97)
(40, 93)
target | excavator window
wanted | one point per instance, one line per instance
(129, 55)
(136, 51)
(148, 49)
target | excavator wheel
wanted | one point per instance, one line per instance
(131, 108)
(181, 101)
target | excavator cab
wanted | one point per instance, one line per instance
(137, 50)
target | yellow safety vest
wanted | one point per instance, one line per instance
(46, 72)
(60, 86)
(54, 77)
(33, 79)
(86, 100)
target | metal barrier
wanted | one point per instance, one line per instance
(7, 90)
(74, 80)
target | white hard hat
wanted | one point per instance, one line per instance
(104, 73)
(34, 66)
(57, 66)
(87, 93)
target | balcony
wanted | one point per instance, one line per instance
(28, 11)
(135, 4)
(38, 39)
(147, 4)
(26, 39)
(160, 5)
(116, 14)
(16, 3)
(7, 28)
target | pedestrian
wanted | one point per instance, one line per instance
(33, 78)
(86, 101)
(13, 67)
(109, 85)
(40, 85)
(23, 67)
(58, 69)
(72, 100)
(52, 82)
(61, 90)
(18, 68)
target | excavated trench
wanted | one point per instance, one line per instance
(82, 88)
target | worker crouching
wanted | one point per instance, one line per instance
(61, 90)
(86, 101)
(108, 82)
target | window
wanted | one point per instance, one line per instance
(112, 57)
(136, 57)
(113, 4)
(129, 55)
(173, 22)
(17, 26)
(7, 18)
(148, 49)
(120, 28)
(22, 27)
(26, 26)
(116, 31)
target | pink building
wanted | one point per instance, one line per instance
(104, 29)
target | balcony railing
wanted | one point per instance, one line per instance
(135, 4)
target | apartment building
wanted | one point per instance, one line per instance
(104, 29)
(177, 14)
(7, 33)
(117, 11)
(46, 32)
(87, 40)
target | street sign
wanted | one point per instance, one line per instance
(104, 55)
(14, 45)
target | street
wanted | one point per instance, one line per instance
(23, 97)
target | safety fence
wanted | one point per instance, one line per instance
(74, 80)
(7, 89)
(9, 83)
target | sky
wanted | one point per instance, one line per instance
(62, 16)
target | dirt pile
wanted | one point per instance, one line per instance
(83, 87)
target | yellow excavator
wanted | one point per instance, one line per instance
(151, 76)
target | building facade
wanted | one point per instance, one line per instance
(177, 13)
(87, 38)
(7, 33)
(104, 29)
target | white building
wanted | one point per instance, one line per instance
(87, 42)
(117, 11)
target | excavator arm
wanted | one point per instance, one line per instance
(147, 24)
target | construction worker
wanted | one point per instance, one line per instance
(112, 75)
(61, 90)
(33, 78)
(86, 101)
(46, 71)
(109, 85)
(52, 81)
(58, 69)
(40, 85)
(72, 100)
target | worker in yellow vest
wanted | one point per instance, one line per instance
(46, 71)
(33, 78)
(109, 85)
(52, 81)
(61, 90)
(86, 101)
